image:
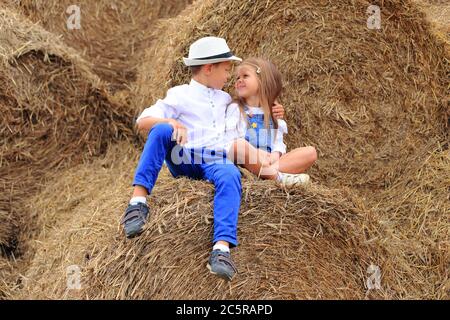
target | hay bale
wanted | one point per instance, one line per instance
(113, 34)
(55, 112)
(438, 12)
(372, 102)
(416, 213)
(75, 214)
(295, 245)
(314, 243)
(6, 271)
(366, 99)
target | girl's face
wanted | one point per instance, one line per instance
(246, 82)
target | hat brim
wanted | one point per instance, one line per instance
(196, 62)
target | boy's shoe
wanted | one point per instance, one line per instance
(220, 264)
(288, 179)
(134, 219)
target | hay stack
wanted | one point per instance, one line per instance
(113, 34)
(374, 105)
(293, 246)
(416, 212)
(373, 102)
(438, 12)
(55, 112)
(313, 243)
(6, 283)
(366, 99)
(76, 214)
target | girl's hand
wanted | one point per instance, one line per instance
(263, 157)
(179, 132)
(277, 110)
(274, 157)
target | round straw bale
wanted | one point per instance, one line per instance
(365, 99)
(112, 34)
(54, 112)
(313, 243)
(374, 103)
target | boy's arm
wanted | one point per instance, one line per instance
(279, 147)
(277, 110)
(163, 111)
(145, 124)
(179, 130)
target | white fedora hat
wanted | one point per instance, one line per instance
(209, 50)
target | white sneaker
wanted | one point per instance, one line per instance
(289, 179)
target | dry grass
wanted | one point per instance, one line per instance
(366, 99)
(438, 13)
(113, 34)
(373, 102)
(314, 243)
(415, 212)
(7, 278)
(55, 112)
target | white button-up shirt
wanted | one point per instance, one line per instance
(200, 109)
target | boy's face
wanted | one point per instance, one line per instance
(219, 74)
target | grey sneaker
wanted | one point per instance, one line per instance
(220, 264)
(134, 219)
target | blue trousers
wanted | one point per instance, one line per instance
(185, 162)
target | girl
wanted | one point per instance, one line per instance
(258, 137)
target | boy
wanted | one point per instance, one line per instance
(194, 115)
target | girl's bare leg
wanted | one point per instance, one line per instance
(254, 160)
(297, 160)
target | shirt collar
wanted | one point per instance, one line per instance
(200, 87)
(253, 110)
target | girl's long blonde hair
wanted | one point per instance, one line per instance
(269, 87)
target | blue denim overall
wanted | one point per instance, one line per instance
(257, 134)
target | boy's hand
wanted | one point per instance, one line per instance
(277, 110)
(179, 132)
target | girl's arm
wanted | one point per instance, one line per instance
(274, 157)
(235, 123)
(278, 147)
